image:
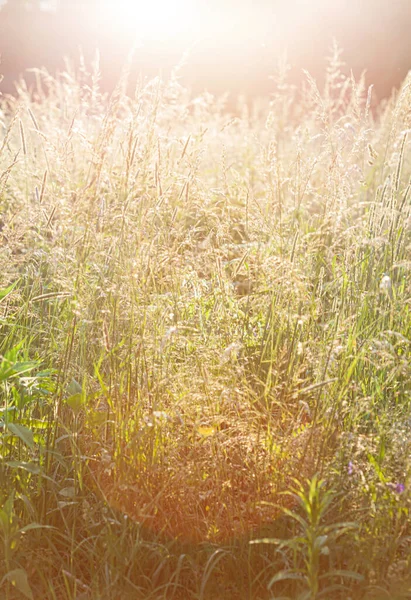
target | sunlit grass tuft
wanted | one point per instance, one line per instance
(200, 313)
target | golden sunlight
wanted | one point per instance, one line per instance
(153, 20)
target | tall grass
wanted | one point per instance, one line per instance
(205, 341)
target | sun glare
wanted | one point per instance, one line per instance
(152, 19)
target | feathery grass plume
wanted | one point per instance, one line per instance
(192, 327)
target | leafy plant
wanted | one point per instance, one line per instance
(314, 540)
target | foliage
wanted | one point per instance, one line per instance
(205, 341)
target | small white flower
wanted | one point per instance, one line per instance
(386, 285)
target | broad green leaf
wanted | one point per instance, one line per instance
(9, 366)
(76, 398)
(74, 388)
(24, 367)
(19, 579)
(76, 401)
(25, 434)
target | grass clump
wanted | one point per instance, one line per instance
(205, 342)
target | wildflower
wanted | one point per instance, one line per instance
(398, 488)
(386, 285)
(350, 468)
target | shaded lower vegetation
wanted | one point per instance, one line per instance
(205, 343)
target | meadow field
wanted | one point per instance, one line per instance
(205, 341)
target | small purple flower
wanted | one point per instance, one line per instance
(398, 488)
(350, 469)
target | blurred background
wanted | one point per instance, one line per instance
(228, 45)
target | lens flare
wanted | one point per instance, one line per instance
(151, 20)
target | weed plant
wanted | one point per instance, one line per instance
(205, 341)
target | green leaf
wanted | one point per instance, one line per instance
(96, 418)
(19, 579)
(24, 367)
(25, 434)
(336, 587)
(285, 575)
(343, 573)
(30, 467)
(40, 424)
(76, 401)
(6, 291)
(74, 388)
(10, 367)
(32, 526)
(5, 412)
(8, 506)
(377, 468)
(296, 517)
(76, 396)
(338, 529)
(5, 520)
